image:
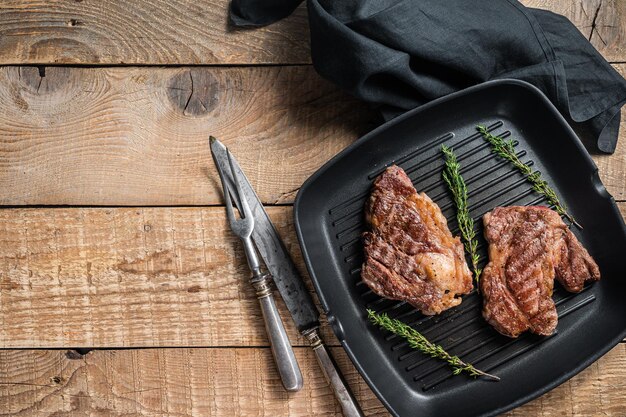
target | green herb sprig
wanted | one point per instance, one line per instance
(418, 341)
(456, 184)
(506, 150)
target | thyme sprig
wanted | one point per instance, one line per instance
(418, 341)
(506, 150)
(456, 184)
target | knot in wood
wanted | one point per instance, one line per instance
(194, 92)
(42, 80)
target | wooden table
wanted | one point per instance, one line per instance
(112, 232)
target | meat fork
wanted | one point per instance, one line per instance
(242, 227)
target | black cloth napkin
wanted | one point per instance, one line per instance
(400, 54)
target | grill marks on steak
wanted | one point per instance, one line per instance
(410, 254)
(528, 248)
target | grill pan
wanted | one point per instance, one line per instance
(329, 222)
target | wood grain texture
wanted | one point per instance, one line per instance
(160, 32)
(131, 278)
(603, 22)
(594, 392)
(175, 276)
(236, 382)
(139, 136)
(157, 32)
(612, 168)
(168, 382)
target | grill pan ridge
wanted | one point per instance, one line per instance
(329, 222)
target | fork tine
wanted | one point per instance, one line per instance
(228, 202)
(247, 213)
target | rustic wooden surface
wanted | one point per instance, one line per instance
(139, 136)
(131, 277)
(603, 22)
(161, 32)
(157, 32)
(236, 382)
(146, 277)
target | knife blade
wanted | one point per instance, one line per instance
(271, 248)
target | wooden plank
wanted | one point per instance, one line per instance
(131, 277)
(139, 136)
(593, 392)
(159, 382)
(603, 22)
(227, 382)
(157, 32)
(185, 32)
(612, 168)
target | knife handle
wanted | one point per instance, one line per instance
(342, 392)
(281, 348)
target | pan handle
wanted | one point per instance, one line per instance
(282, 351)
(342, 392)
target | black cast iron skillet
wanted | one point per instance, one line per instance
(329, 222)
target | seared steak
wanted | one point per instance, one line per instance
(410, 254)
(528, 247)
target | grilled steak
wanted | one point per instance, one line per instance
(528, 247)
(410, 254)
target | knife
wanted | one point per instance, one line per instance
(287, 279)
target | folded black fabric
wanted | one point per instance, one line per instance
(400, 54)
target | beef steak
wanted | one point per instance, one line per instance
(528, 247)
(410, 254)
